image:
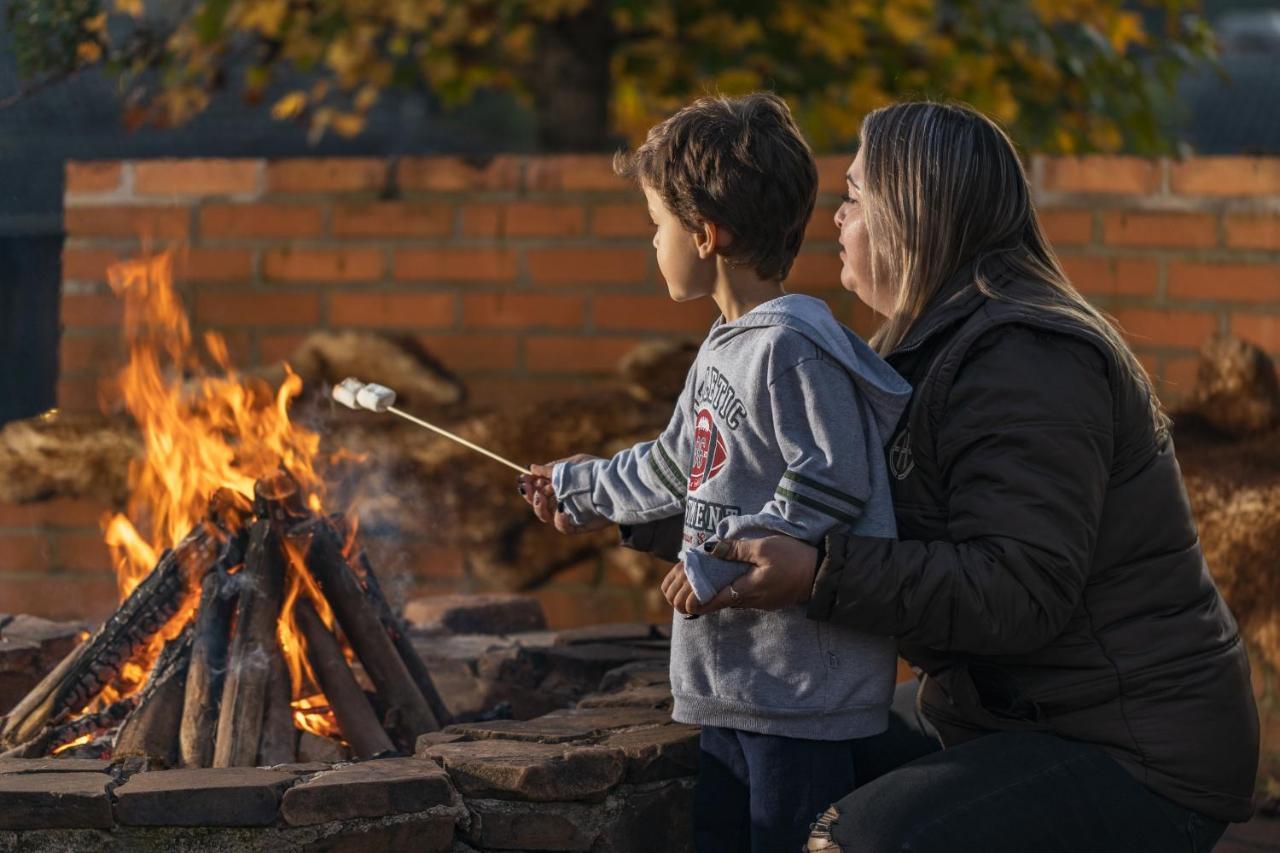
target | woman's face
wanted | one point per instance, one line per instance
(855, 247)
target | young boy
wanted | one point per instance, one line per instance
(780, 429)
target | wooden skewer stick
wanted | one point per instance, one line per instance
(444, 432)
(354, 394)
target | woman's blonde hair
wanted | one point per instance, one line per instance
(944, 189)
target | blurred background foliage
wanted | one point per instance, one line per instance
(1064, 76)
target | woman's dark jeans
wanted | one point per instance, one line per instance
(1007, 791)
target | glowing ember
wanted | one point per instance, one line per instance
(83, 739)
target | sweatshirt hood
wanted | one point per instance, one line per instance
(886, 392)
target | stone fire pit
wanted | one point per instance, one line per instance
(594, 764)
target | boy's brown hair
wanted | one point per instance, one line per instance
(740, 163)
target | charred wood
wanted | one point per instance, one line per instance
(82, 675)
(399, 634)
(279, 741)
(53, 737)
(260, 586)
(360, 726)
(151, 731)
(207, 674)
(409, 714)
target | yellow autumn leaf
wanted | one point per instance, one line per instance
(908, 21)
(366, 98)
(88, 51)
(97, 23)
(265, 16)
(129, 7)
(348, 124)
(1124, 29)
(290, 106)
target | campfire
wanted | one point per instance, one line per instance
(248, 613)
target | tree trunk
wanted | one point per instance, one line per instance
(571, 81)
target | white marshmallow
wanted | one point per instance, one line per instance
(376, 398)
(345, 392)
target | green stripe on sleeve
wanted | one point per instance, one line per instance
(804, 500)
(825, 489)
(665, 479)
(673, 469)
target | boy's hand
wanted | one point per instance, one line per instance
(538, 493)
(678, 592)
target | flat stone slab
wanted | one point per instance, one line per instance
(55, 801)
(565, 725)
(665, 752)
(233, 796)
(370, 789)
(476, 614)
(54, 765)
(539, 772)
(642, 673)
(633, 697)
(611, 632)
(584, 665)
(433, 834)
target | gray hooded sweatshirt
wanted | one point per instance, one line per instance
(780, 428)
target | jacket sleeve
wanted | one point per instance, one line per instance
(1024, 448)
(640, 484)
(818, 431)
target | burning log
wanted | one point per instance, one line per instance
(151, 731)
(355, 715)
(279, 741)
(53, 737)
(396, 630)
(83, 674)
(408, 712)
(207, 673)
(261, 587)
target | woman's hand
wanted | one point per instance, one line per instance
(781, 574)
(538, 493)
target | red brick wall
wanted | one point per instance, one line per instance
(529, 276)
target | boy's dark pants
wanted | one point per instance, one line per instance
(1002, 792)
(760, 793)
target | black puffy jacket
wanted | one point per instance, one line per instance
(1048, 575)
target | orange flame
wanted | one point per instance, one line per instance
(202, 432)
(83, 739)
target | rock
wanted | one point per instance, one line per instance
(432, 834)
(29, 648)
(1236, 390)
(657, 696)
(650, 818)
(368, 789)
(565, 725)
(666, 752)
(233, 796)
(642, 673)
(539, 772)
(476, 614)
(580, 668)
(54, 765)
(611, 632)
(508, 825)
(321, 750)
(435, 739)
(54, 801)
(657, 370)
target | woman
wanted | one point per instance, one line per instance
(1077, 662)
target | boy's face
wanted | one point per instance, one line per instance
(689, 272)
